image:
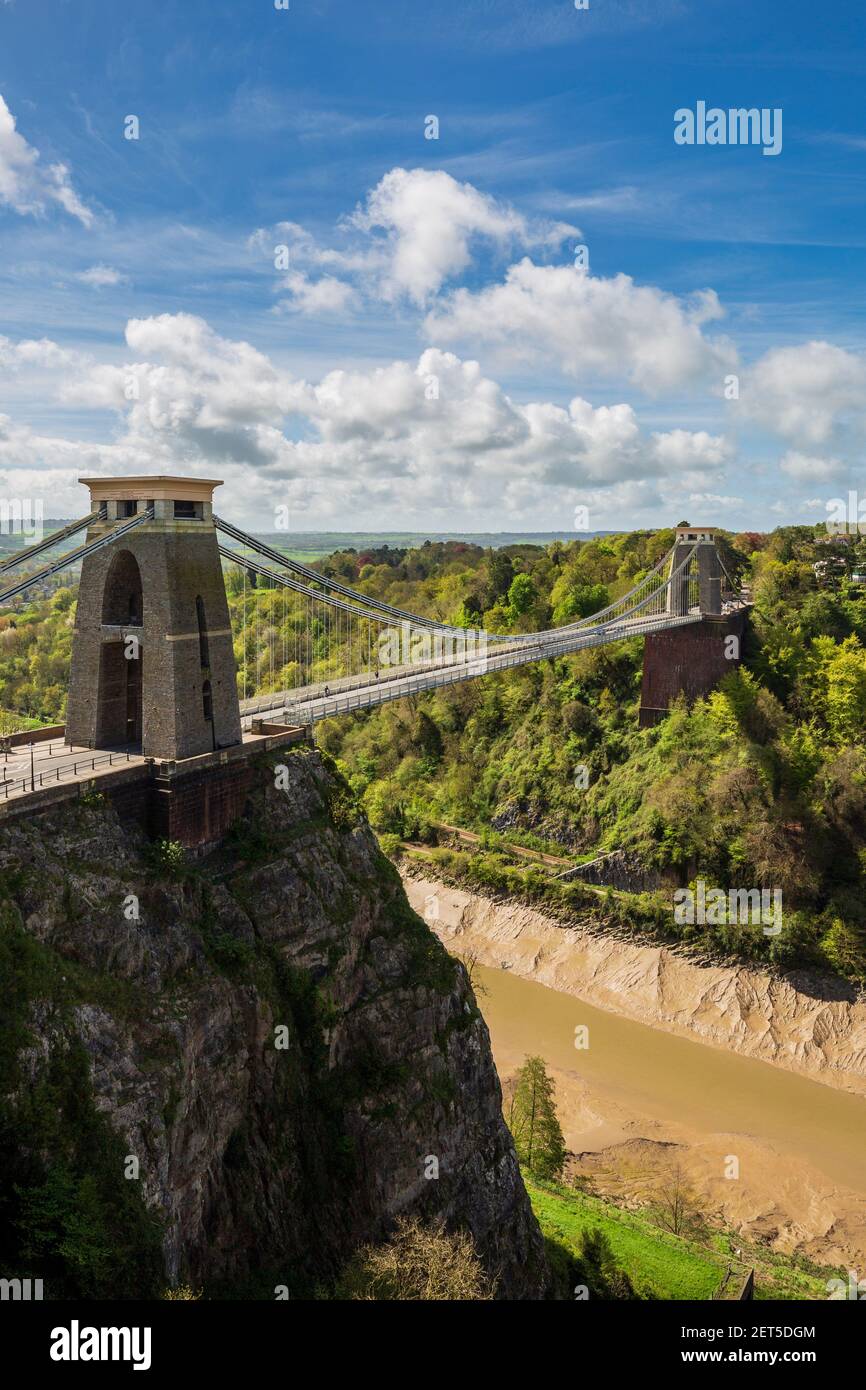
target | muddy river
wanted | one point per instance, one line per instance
(671, 1079)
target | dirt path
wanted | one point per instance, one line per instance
(470, 838)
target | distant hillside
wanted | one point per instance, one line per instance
(328, 541)
(312, 544)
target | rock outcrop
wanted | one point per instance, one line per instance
(620, 869)
(273, 1034)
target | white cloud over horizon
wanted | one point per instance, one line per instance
(812, 468)
(358, 443)
(585, 324)
(429, 437)
(418, 230)
(806, 392)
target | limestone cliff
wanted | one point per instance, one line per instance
(270, 1037)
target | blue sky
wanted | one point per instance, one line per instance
(430, 355)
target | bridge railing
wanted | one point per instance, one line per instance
(650, 592)
(72, 557)
(51, 777)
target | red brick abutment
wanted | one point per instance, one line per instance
(193, 802)
(689, 661)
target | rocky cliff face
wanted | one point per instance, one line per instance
(621, 869)
(272, 1039)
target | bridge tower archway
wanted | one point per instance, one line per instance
(123, 595)
(119, 671)
(119, 697)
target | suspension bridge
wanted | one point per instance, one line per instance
(159, 672)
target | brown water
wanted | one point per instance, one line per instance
(675, 1080)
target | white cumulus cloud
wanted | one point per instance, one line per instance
(430, 221)
(805, 393)
(586, 324)
(811, 468)
(37, 353)
(327, 295)
(433, 437)
(416, 230)
(27, 185)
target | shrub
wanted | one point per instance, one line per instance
(390, 844)
(168, 857)
(419, 1263)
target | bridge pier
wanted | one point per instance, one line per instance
(689, 660)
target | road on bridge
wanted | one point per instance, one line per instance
(31, 766)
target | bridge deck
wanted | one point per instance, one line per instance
(53, 764)
(32, 768)
(308, 704)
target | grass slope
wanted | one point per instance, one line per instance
(665, 1266)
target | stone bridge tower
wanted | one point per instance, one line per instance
(153, 666)
(700, 543)
(692, 659)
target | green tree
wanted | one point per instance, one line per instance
(521, 594)
(501, 572)
(573, 599)
(533, 1121)
(384, 807)
(598, 1269)
(846, 693)
(845, 948)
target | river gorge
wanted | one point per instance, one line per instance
(657, 1057)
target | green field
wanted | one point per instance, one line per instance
(664, 1266)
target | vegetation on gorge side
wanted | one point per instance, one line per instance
(762, 784)
(656, 1263)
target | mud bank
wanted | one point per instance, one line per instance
(637, 1102)
(646, 1093)
(816, 1028)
